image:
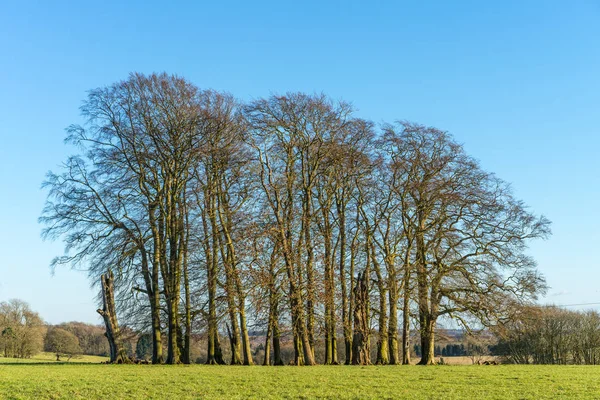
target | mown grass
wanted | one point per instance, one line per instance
(77, 381)
(50, 358)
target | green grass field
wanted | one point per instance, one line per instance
(94, 381)
(51, 358)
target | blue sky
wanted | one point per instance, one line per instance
(517, 82)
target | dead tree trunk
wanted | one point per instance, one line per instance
(360, 348)
(108, 312)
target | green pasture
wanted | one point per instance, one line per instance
(76, 380)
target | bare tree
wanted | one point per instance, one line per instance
(470, 233)
(141, 140)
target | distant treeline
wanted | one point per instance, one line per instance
(23, 334)
(288, 214)
(534, 335)
(550, 335)
(450, 350)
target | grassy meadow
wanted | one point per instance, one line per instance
(51, 358)
(46, 380)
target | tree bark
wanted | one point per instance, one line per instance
(118, 354)
(406, 317)
(382, 343)
(214, 353)
(426, 319)
(360, 342)
(393, 318)
(427, 340)
(346, 310)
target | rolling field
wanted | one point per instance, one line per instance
(95, 381)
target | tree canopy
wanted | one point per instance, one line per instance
(216, 216)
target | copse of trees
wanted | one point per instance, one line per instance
(91, 338)
(550, 335)
(21, 330)
(212, 215)
(23, 334)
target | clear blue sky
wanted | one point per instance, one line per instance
(517, 82)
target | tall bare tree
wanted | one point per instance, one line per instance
(470, 233)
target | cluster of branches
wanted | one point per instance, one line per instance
(550, 335)
(288, 214)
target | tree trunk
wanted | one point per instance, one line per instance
(230, 295)
(328, 260)
(230, 259)
(173, 356)
(274, 310)
(427, 340)
(108, 312)
(267, 356)
(310, 288)
(406, 326)
(360, 342)
(246, 350)
(426, 320)
(382, 344)
(214, 354)
(186, 351)
(393, 322)
(347, 326)
(276, 337)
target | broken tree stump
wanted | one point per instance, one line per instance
(118, 354)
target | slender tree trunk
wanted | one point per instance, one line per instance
(186, 351)
(382, 343)
(225, 219)
(217, 243)
(267, 356)
(296, 307)
(351, 303)
(426, 322)
(214, 353)
(234, 331)
(310, 281)
(406, 325)
(274, 309)
(303, 354)
(341, 210)
(328, 258)
(276, 332)
(154, 289)
(393, 320)
(246, 350)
